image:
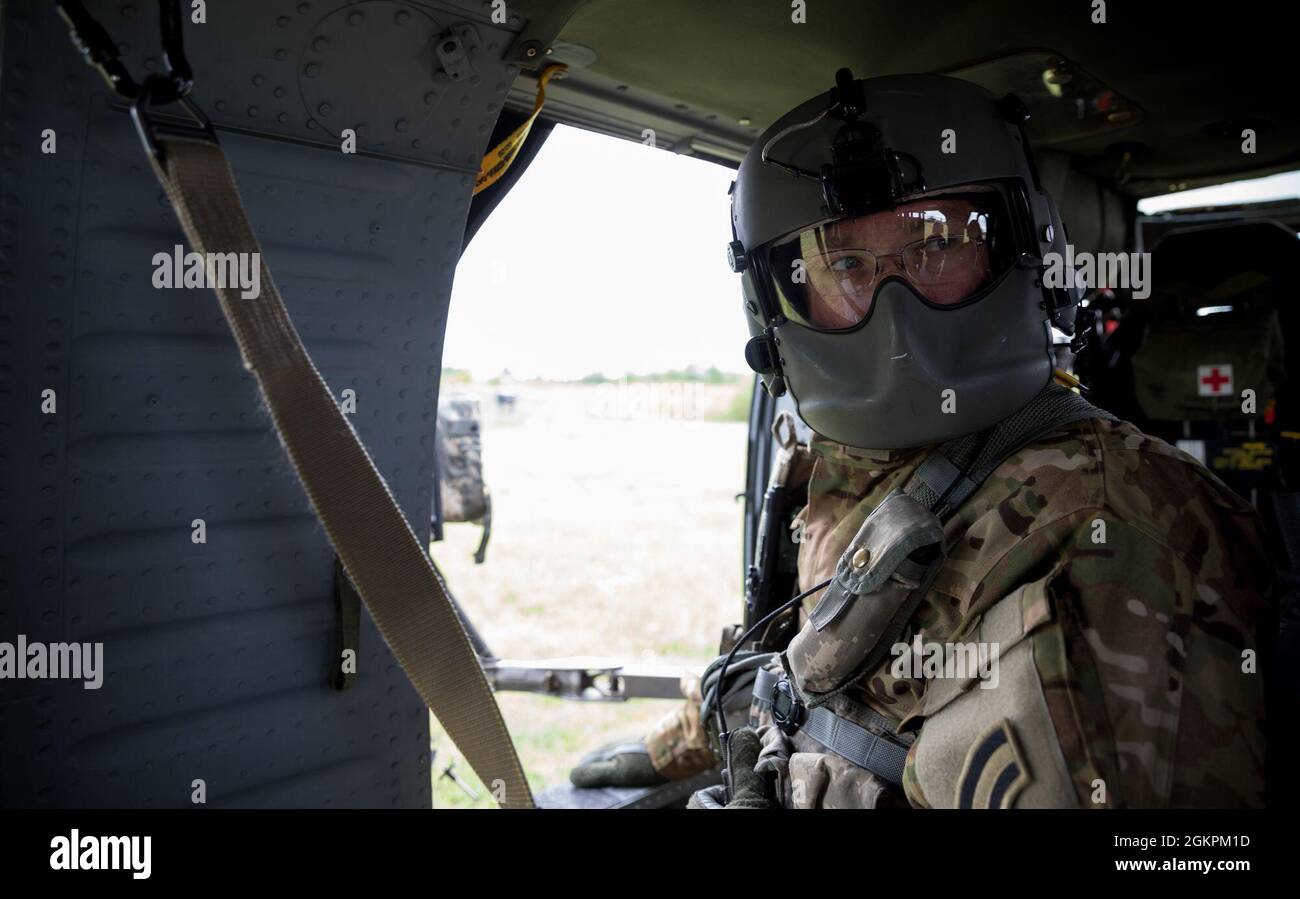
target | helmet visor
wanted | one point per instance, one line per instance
(947, 246)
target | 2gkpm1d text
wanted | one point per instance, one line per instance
(1183, 841)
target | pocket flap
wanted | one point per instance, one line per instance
(897, 528)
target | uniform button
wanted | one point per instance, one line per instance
(861, 557)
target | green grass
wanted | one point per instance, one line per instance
(550, 735)
(738, 408)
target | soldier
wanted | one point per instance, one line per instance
(1012, 599)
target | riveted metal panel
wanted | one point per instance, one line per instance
(216, 654)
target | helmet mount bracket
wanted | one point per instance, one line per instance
(863, 174)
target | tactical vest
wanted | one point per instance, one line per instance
(880, 579)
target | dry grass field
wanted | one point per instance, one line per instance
(616, 533)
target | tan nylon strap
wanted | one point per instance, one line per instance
(372, 538)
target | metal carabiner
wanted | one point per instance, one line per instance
(101, 53)
(153, 130)
(173, 86)
(98, 48)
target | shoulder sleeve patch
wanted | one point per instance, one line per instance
(992, 743)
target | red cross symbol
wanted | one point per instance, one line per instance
(1214, 380)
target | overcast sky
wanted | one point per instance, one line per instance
(609, 256)
(1274, 187)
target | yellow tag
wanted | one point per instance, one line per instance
(498, 159)
(1065, 379)
(1246, 457)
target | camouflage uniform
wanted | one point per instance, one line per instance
(678, 744)
(1137, 638)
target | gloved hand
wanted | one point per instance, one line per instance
(621, 764)
(748, 787)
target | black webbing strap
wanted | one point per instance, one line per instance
(883, 754)
(481, 553)
(347, 620)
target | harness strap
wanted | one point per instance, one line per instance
(952, 473)
(380, 553)
(764, 682)
(882, 754)
(877, 754)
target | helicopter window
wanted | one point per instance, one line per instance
(594, 318)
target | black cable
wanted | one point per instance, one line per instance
(720, 689)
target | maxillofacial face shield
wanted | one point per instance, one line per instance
(890, 237)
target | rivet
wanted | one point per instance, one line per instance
(861, 557)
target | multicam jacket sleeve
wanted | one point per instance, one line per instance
(678, 744)
(1149, 668)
